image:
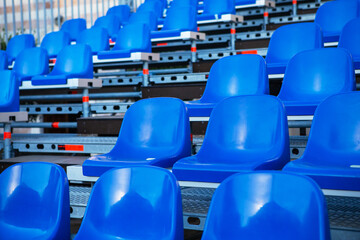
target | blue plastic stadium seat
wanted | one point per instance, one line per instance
(96, 38)
(332, 17)
(148, 18)
(134, 203)
(3, 60)
(179, 19)
(184, 3)
(131, 38)
(154, 132)
(54, 42)
(17, 44)
(213, 9)
(152, 6)
(244, 2)
(121, 11)
(110, 22)
(289, 40)
(245, 133)
(350, 38)
(9, 92)
(74, 61)
(267, 205)
(34, 202)
(332, 156)
(31, 62)
(74, 27)
(231, 76)
(314, 75)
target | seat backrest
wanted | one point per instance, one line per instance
(17, 44)
(96, 38)
(146, 17)
(266, 205)
(247, 129)
(152, 6)
(350, 38)
(31, 62)
(9, 92)
(181, 18)
(236, 75)
(182, 3)
(74, 61)
(121, 11)
(219, 7)
(55, 41)
(289, 40)
(317, 74)
(3, 60)
(74, 27)
(333, 15)
(125, 200)
(134, 37)
(160, 124)
(34, 198)
(335, 134)
(110, 22)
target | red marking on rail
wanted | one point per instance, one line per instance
(53, 61)
(66, 147)
(146, 71)
(248, 52)
(266, 14)
(193, 49)
(85, 99)
(7, 135)
(55, 125)
(111, 41)
(161, 44)
(232, 31)
(294, 2)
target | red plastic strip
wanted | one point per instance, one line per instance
(161, 44)
(193, 49)
(78, 148)
(146, 71)
(52, 60)
(232, 31)
(7, 135)
(248, 52)
(294, 2)
(55, 124)
(266, 14)
(85, 99)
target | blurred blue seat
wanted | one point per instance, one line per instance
(312, 76)
(31, 62)
(9, 94)
(147, 18)
(74, 27)
(332, 17)
(244, 2)
(74, 61)
(121, 11)
(3, 60)
(231, 76)
(332, 156)
(213, 9)
(54, 42)
(131, 38)
(110, 22)
(134, 203)
(178, 19)
(267, 205)
(289, 40)
(17, 44)
(152, 6)
(184, 3)
(245, 133)
(350, 38)
(154, 132)
(34, 202)
(96, 38)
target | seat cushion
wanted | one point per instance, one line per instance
(199, 109)
(49, 79)
(114, 54)
(165, 34)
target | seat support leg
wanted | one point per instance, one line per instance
(193, 51)
(85, 100)
(145, 74)
(232, 36)
(266, 18)
(294, 7)
(7, 140)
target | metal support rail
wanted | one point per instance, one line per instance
(79, 96)
(42, 125)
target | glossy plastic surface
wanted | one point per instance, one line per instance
(74, 27)
(350, 38)
(31, 62)
(134, 203)
(9, 94)
(229, 77)
(182, 3)
(332, 151)
(74, 61)
(17, 44)
(217, 8)
(121, 11)
(145, 17)
(34, 202)
(154, 132)
(267, 205)
(110, 22)
(131, 38)
(179, 19)
(245, 133)
(152, 6)
(312, 76)
(289, 40)
(333, 15)
(3, 60)
(244, 2)
(54, 42)
(96, 38)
